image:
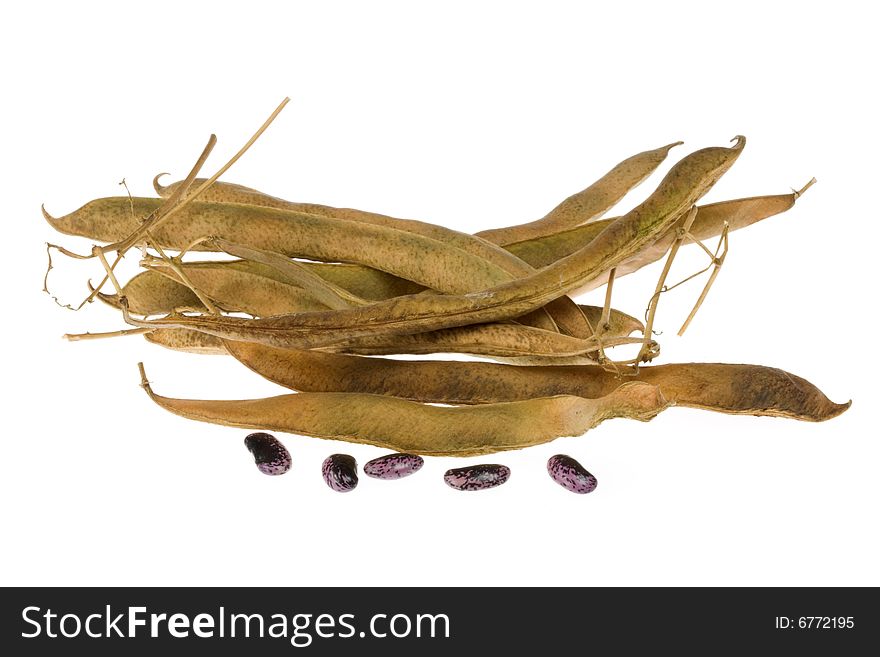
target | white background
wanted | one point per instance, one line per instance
(472, 115)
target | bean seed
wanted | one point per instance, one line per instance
(477, 477)
(571, 475)
(340, 472)
(394, 466)
(271, 457)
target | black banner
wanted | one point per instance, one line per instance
(459, 621)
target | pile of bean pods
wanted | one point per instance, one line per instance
(309, 296)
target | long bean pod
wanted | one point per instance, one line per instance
(414, 428)
(727, 388)
(524, 345)
(623, 238)
(589, 203)
(574, 210)
(439, 265)
(709, 222)
(240, 286)
(414, 257)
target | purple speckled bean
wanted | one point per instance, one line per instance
(477, 477)
(271, 457)
(394, 466)
(571, 475)
(340, 472)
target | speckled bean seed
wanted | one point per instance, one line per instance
(571, 475)
(271, 457)
(394, 466)
(340, 472)
(477, 477)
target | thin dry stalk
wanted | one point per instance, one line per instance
(78, 337)
(717, 261)
(661, 282)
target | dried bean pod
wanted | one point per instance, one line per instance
(477, 477)
(546, 248)
(232, 288)
(589, 203)
(726, 388)
(404, 426)
(151, 293)
(571, 475)
(523, 345)
(296, 274)
(492, 339)
(576, 209)
(394, 466)
(562, 310)
(511, 341)
(241, 286)
(685, 183)
(427, 261)
(436, 264)
(271, 457)
(340, 472)
(225, 193)
(709, 222)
